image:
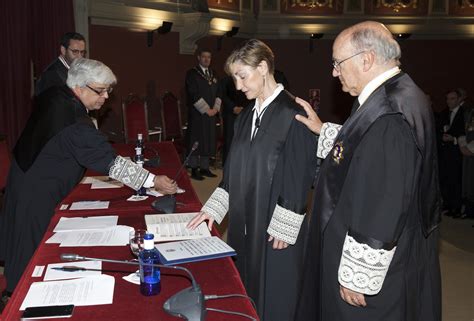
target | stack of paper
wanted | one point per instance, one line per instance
(90, 231)
(172, 227)
(100, 182)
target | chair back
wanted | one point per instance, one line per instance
(171, 117)
(4, 163)
(135, 118)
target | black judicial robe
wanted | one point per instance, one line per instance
(57, 144)
(276, 166)
(201, 127)
(379, 184)
(54, 75)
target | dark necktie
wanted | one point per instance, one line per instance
(355, 106)
(207, 73)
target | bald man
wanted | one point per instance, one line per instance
(372, 251)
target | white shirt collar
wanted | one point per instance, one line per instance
(61, 58)
(376, 82)
(455, 110)
(279, 88)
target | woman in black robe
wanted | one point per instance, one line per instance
(267, 176)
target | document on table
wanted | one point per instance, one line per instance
(154, 192)
(172, 227)
(93, 290)
(112, 236)
(92, 179)
(84, 269)
(89, 205)
(194, 250)
(106, 184)
(67, 224)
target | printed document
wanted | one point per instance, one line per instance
(93, 290)
(112, 236)
(172, 227)
(89, 205)
(67, 224)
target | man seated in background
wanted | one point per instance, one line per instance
(57, 145)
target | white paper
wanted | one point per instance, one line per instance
(38, 271)
(92, 179)
(133, 277)
(113, 236)
(106, 184)
(63, 207)
(94, 267)
(172, 227)
(57, 238)
(194, 250)
(66, 224)
(137, 198)
(89, 205)
(154, 192)
(93, 290)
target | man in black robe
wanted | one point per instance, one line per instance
(203, 104)
(372, 247)
(58, 143)
(73, 46)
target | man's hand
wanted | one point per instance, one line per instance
(447, 138)
(202, 216)
(237, 110)
(211, 112)
(165, 185)
(353, 298)
(278, 244)
(312, 121)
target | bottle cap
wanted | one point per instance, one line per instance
(140, 136)
(148, 243)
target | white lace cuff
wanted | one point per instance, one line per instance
(285, 225)
(327, 136)
(362, 268)
(201, 106)
(217, 104)
(217, 205)
(129, 173)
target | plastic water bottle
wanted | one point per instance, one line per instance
(139, 159)
(150, 277)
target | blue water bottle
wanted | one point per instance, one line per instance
(150, 278)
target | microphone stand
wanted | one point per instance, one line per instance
(167, 203)
(187, 303)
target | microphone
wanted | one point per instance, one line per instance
(167, 203)
(187, 303)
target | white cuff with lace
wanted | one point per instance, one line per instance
(327, 137)
(363, 269)
(201, 106)
(129, 173)
(217, 205)
(285, 225)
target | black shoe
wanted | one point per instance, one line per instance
(207, 172)
(196, 175)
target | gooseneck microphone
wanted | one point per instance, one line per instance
(167, 203)
(187, 303)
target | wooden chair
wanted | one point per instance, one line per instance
(135, 119)
(173, 129)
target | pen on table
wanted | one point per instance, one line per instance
(70, 268)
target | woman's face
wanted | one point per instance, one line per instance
(247, 79)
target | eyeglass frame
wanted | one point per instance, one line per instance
(77, 51)
(102, 92)
(336, 65)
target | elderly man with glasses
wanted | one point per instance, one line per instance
(73, 46)
(57, 145)
(372, 246)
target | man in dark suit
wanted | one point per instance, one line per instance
(450, 154)
(73, 46)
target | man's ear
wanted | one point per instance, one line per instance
(63, 50)
(368, 59)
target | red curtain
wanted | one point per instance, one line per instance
(30, 32)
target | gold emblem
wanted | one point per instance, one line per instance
(337, 150)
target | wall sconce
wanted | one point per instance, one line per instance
(163, 29)
(312, 37)
(229, 34)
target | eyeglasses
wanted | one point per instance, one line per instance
(77, 51)
(102, 91)
(337, 64)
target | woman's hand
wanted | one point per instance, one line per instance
(198, 219)
(278, 244)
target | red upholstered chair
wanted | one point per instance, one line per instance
(135, 119)
(4, 164)
(171, 121)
